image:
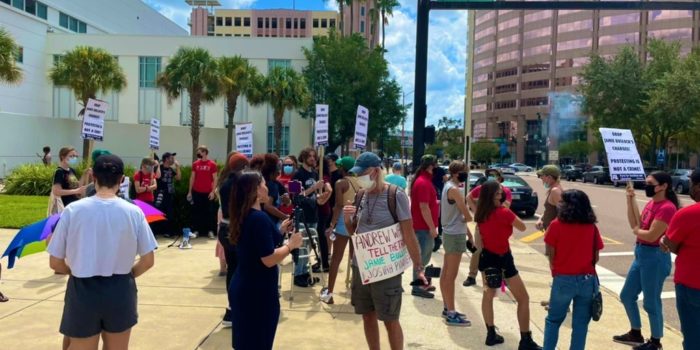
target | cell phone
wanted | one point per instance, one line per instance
(432, 272)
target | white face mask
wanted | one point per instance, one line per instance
(365, 182)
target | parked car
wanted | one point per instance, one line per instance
(524, 198)
(476, 179)
(521, 167)
(571, 172)
(681, 180)
(597, 175)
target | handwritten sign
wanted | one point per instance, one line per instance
(361, 126)
(623, 158)
(321, 125)
(244, 139)
(380, 254)
(94, 120)
(154, 138)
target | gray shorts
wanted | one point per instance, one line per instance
(454, 244)
(384, 297)
(97, 304)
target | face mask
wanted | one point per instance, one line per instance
(288, 169)
(491, 178)
(365, 182)
(199, 156)
(503, 198)
(73, 160)
(462, 177)
(650, 190)
(546, 186)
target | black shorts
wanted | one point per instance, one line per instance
(97, 304)
(503, 262)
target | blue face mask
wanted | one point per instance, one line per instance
(73, 160)
(491, 178)
(288, 169)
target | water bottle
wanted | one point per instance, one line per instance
(332, 236)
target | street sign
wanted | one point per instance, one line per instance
(554, 156)
(660, 156)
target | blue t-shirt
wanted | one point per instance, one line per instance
(396, 180)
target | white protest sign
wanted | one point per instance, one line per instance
(94, 120)
(321, 125)
(244, 139)
(623, 158)
(361, 126)
(154, 138)
(380, 254)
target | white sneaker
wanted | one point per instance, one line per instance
(211, 235)
(326, 297)
(194, 234)
(185, 245)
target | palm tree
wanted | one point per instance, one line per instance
(236, 76)
(283, 89)
(373, 20)
(193, 70)
(386, 7)
(88, 70)
(9, 72)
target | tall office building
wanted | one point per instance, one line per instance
(525, 66)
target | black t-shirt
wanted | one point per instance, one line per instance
(225, 194)
(166, 182)
(68, 181)
(308, 204)
(274, 190)
(438, 180)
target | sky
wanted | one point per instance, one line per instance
(446, 50)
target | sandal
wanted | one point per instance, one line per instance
(3, 298)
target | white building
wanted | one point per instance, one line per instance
(35, 113)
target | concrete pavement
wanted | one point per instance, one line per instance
(182, 299)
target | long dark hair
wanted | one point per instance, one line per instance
(270, 166)
(575, 208)
(486, 204)
(663, 177)
(243, 197)
(423, 168)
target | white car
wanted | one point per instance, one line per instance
(520, 167)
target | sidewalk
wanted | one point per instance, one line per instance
(182, 299)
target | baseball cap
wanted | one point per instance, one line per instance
(332, 156)
(108, 164)
(364, 161)
(397, 166)
(167, 155)
(428, 159)
(97, 153)
(549, 170)
(346, 163)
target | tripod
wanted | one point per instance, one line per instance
(309, 242)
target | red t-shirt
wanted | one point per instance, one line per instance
(573, 244)
(496, 230)
(204, 178)
(284, 180)
(684, 230)
(662, 211)
(423, 191)
(477, 191)
(144, 180)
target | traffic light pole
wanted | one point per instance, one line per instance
(419, 103)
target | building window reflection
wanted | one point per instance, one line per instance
(575, 26)
(619, 19)
(538, 33)
(537, 50)
(537, 16)
(627, 38)
(574, 44)
(659, 15)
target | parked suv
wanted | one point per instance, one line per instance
(681, 180)
(597, 175)
(572, 173)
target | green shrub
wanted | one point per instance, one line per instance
(37, 179)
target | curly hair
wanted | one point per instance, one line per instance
(270, 166)
(575, 208)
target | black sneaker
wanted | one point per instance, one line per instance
(493, 338)
(226, 322)
(470, 281)
(316, 268)
(301, 281)
(629, 339)
(528, 344)
(422, 293)
(649, 345)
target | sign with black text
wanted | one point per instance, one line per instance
(321, 125)
(623, 157)
(244, 139)
(154, 136)
(361, 126)
(380, 254)
(94, 120)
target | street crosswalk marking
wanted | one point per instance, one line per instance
(607, 254)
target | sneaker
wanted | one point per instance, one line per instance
(430, 288)
(649, 345)
(185, 245)
(211, 235)
(493, 338)
(194, 234)
(457, 321)
(445, 313)
(226, 322)
(301, 281)
(629, 339)
(327, 297)
(470, 281)
(422, 293)
(528, 344)
(316, 268)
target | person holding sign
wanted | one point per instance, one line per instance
(380, 300)
(651, 265)
(496, 224)
(455, 215)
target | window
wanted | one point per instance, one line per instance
(324, 23)
(572, 62)
(479, 108)
(246, 21)
(508, 56)
(538, 15)
(30, 6)
(483, 77)
(479, 93)
(487, 15)
(537, 84)
(271, 139)
(149, 67)
(537, 50)
(302, 23)
(487, 46)
(506, 88)
(362, 11)
(19, 55)
(538, 33)
(260, 23)
(576, 26)
(506, 72)
(237, 21)
(18, 4)
(288, 23)
(246, 35)
(219, 21)
(278, 63)
(332, 23)
(41, 10)
(619, 19)
(482, 33)
(483, 63)
(505, 104)
(274, 23)
(296, 23)
(536, 68)
(659, 15)
(362, 26)
(534, 101)
(507, 40)
(267, 22)
(628, 38)
(219, 34)
(574, 44)
(228, 21)
(672, 34)
(509, 24)
(71, 23)
(315, 23)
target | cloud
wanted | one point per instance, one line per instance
(331, 5)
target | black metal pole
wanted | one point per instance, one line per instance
(419, 106)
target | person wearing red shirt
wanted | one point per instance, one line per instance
(651, 265)
(424, 210)
(683, 238)
(202, 193)
(496, 224)
(145, 181)
(573, 267)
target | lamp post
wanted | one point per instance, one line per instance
(403, 128)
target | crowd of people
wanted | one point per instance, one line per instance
(342, 196)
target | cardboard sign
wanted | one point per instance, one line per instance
(380, 254)
(244, 139)
(361, 126)
(154, 138)
(623, 158)
(321, 125)
(94, 120)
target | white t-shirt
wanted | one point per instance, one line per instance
(124, 187)
(101, 237)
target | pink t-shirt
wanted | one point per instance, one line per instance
(662, 211)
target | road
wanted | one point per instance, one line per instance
(610, 207)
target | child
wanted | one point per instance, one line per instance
(145, 181)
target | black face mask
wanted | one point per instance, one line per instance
(462, 177)
(503, 198)
(650, 190)
(199, 155)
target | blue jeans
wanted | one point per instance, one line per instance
(426, 244)
(688, 305)
(301, 266)
(565, 289)
(649, 269)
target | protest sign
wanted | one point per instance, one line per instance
(623, 158)
(244, 139)
(380, 254)
(154, 138)
(321, 125)
(94, 120)
(361, 125)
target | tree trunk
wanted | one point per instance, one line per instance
(342, 17)
(195, 101)
(231, 101)
(352, 17)
(279, 115)
(383, 29)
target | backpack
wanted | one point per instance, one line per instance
(391, 201)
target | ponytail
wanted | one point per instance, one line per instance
(664, 178)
